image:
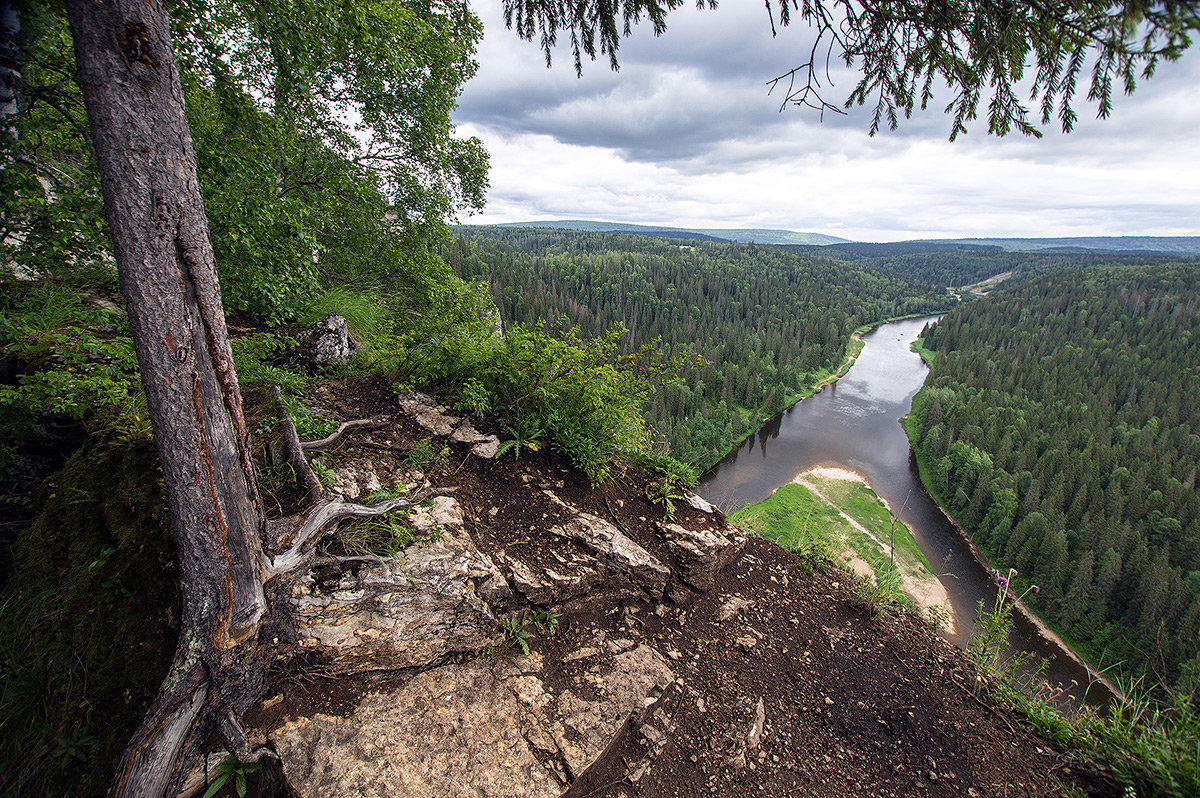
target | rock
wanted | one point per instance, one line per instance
(428, 413)
(482, 728)
(380, 613)
(754, 737)
(484, 446)
(442, 511)
(355, 480)
(383, 748)
(733, 608)
(702, 553)
(617, 553)
(331, 340)
(548, 586)
(700, 504)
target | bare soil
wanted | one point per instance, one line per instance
(853, 705)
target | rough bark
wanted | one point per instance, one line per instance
(155, 213)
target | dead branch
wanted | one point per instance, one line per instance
(343, 428)
(294, 452)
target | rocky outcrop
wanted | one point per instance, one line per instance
(702, 553)
(491, 728)
(403, 611)
(454, 719)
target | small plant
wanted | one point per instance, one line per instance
(938, 617)
(516, 627)
(385, 495)
(309, 426)
(381, 537)
(526, 435)
(231, 768)
(515, 631)
(473, 397)
(324, 473)
(79, 746)
(663, 491)
(544, 620)
(881, 596)
(423, 454)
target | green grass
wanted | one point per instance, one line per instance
(795, 519)
(928, 355)
(799, 520)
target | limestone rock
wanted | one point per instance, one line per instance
(355, 480)
(484, 446)
(702, 553)
(328, 341)
(428, 413)
(614, 549)
(398, 612)
(700, 504)
(482, 728)
(457, 730)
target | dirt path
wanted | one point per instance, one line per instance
(927, 593)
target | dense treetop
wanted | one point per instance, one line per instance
(1059, 424)
(767, 324)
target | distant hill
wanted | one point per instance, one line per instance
(1168, 245)
(745, 236)
(1149, 245)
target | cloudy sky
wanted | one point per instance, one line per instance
(686, 134)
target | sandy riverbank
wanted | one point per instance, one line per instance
(926, 593)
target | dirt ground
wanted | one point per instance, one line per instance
(851, 705)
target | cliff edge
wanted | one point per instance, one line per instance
(522, 633)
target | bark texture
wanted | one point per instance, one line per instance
(155, 213)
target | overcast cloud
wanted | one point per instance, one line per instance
(686, 134)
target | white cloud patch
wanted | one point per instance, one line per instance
(686, 134)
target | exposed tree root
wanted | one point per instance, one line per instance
(343, 428)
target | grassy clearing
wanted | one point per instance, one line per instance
(795, 519)
(845, 521)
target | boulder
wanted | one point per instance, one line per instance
(702, 553)
(404, 611)
(483, 728)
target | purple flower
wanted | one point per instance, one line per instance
(1002, 581)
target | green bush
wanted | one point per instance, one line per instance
(580, 395)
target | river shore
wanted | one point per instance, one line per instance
(1047, 634)
(927, 592)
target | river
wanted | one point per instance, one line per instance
(855, 424)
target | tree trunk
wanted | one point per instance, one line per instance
(155, 213)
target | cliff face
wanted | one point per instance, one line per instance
(523, 634)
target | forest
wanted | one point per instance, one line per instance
(1058, 425)
(761, 324)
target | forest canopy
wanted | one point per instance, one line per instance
(763, 325)
(1058, 424)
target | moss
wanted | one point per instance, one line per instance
(88, 623)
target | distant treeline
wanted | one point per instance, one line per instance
(959, 264)
(1061, 424)
(767, 322)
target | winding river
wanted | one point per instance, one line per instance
(855, 424)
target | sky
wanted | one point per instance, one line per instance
(687, 134)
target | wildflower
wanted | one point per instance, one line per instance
(1002, 581)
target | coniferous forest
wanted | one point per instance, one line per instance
(1059, 425)
(766, 323)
